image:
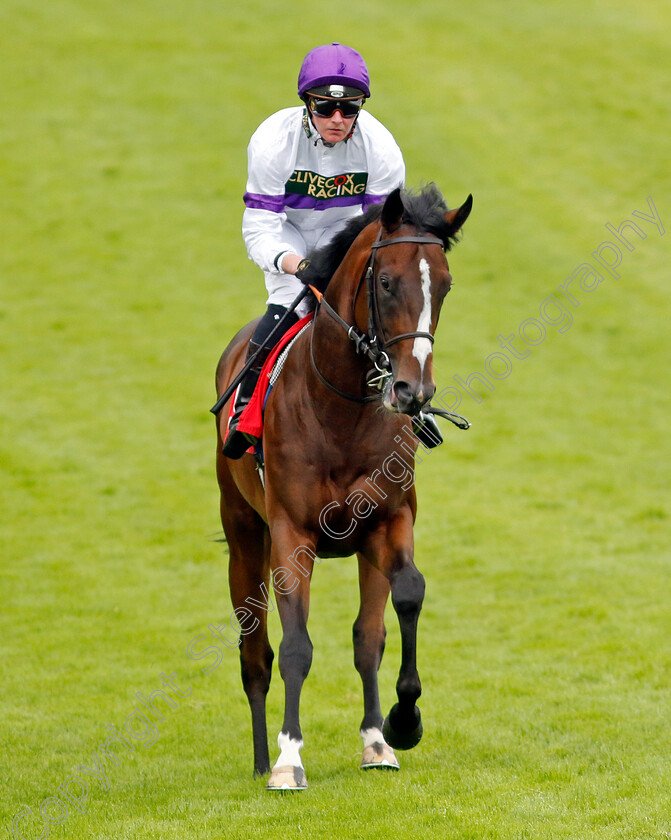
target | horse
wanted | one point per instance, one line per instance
(335, 482)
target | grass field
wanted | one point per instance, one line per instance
(543, 532)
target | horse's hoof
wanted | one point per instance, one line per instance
(287, 778)
(402, 734)
(379, 756)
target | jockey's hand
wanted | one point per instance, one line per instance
(307, 273)
(303, 270)
(290, 263)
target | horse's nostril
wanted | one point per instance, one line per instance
(408, 400)
(402, 391)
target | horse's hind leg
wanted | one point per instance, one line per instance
(292, 562)
(249, 568)
(369, 635)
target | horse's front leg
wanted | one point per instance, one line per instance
(369, 635)
(394, 554)
(292, 562)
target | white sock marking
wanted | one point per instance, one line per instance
(421, 347)
(372, 736)
(289, 751)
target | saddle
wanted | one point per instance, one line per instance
(251, 419)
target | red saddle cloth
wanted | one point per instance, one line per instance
(251, 419)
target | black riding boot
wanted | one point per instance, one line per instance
(237, 443)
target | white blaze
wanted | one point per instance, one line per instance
(422, 346)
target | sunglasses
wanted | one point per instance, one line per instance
(327, 107)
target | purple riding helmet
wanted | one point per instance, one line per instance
(333, 70)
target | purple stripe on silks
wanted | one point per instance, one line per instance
(256, 201)
(307, 202)
(369, 200)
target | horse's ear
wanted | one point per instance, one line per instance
(392, 211)
(456, 218)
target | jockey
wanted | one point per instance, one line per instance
(311, 168)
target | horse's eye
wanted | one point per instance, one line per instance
(384, 282)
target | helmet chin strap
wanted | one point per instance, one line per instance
(307, 122)
(353, 127)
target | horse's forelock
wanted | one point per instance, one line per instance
(426, 211)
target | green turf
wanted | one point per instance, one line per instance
(543, 532)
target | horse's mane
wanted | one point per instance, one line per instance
(325, 260)
(424, 210)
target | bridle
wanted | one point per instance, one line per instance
(375, 326)
(372, 343)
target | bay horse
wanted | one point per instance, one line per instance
(336, 483)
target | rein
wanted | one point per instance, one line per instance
(369, 344)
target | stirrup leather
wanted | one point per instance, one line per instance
(237, 443)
